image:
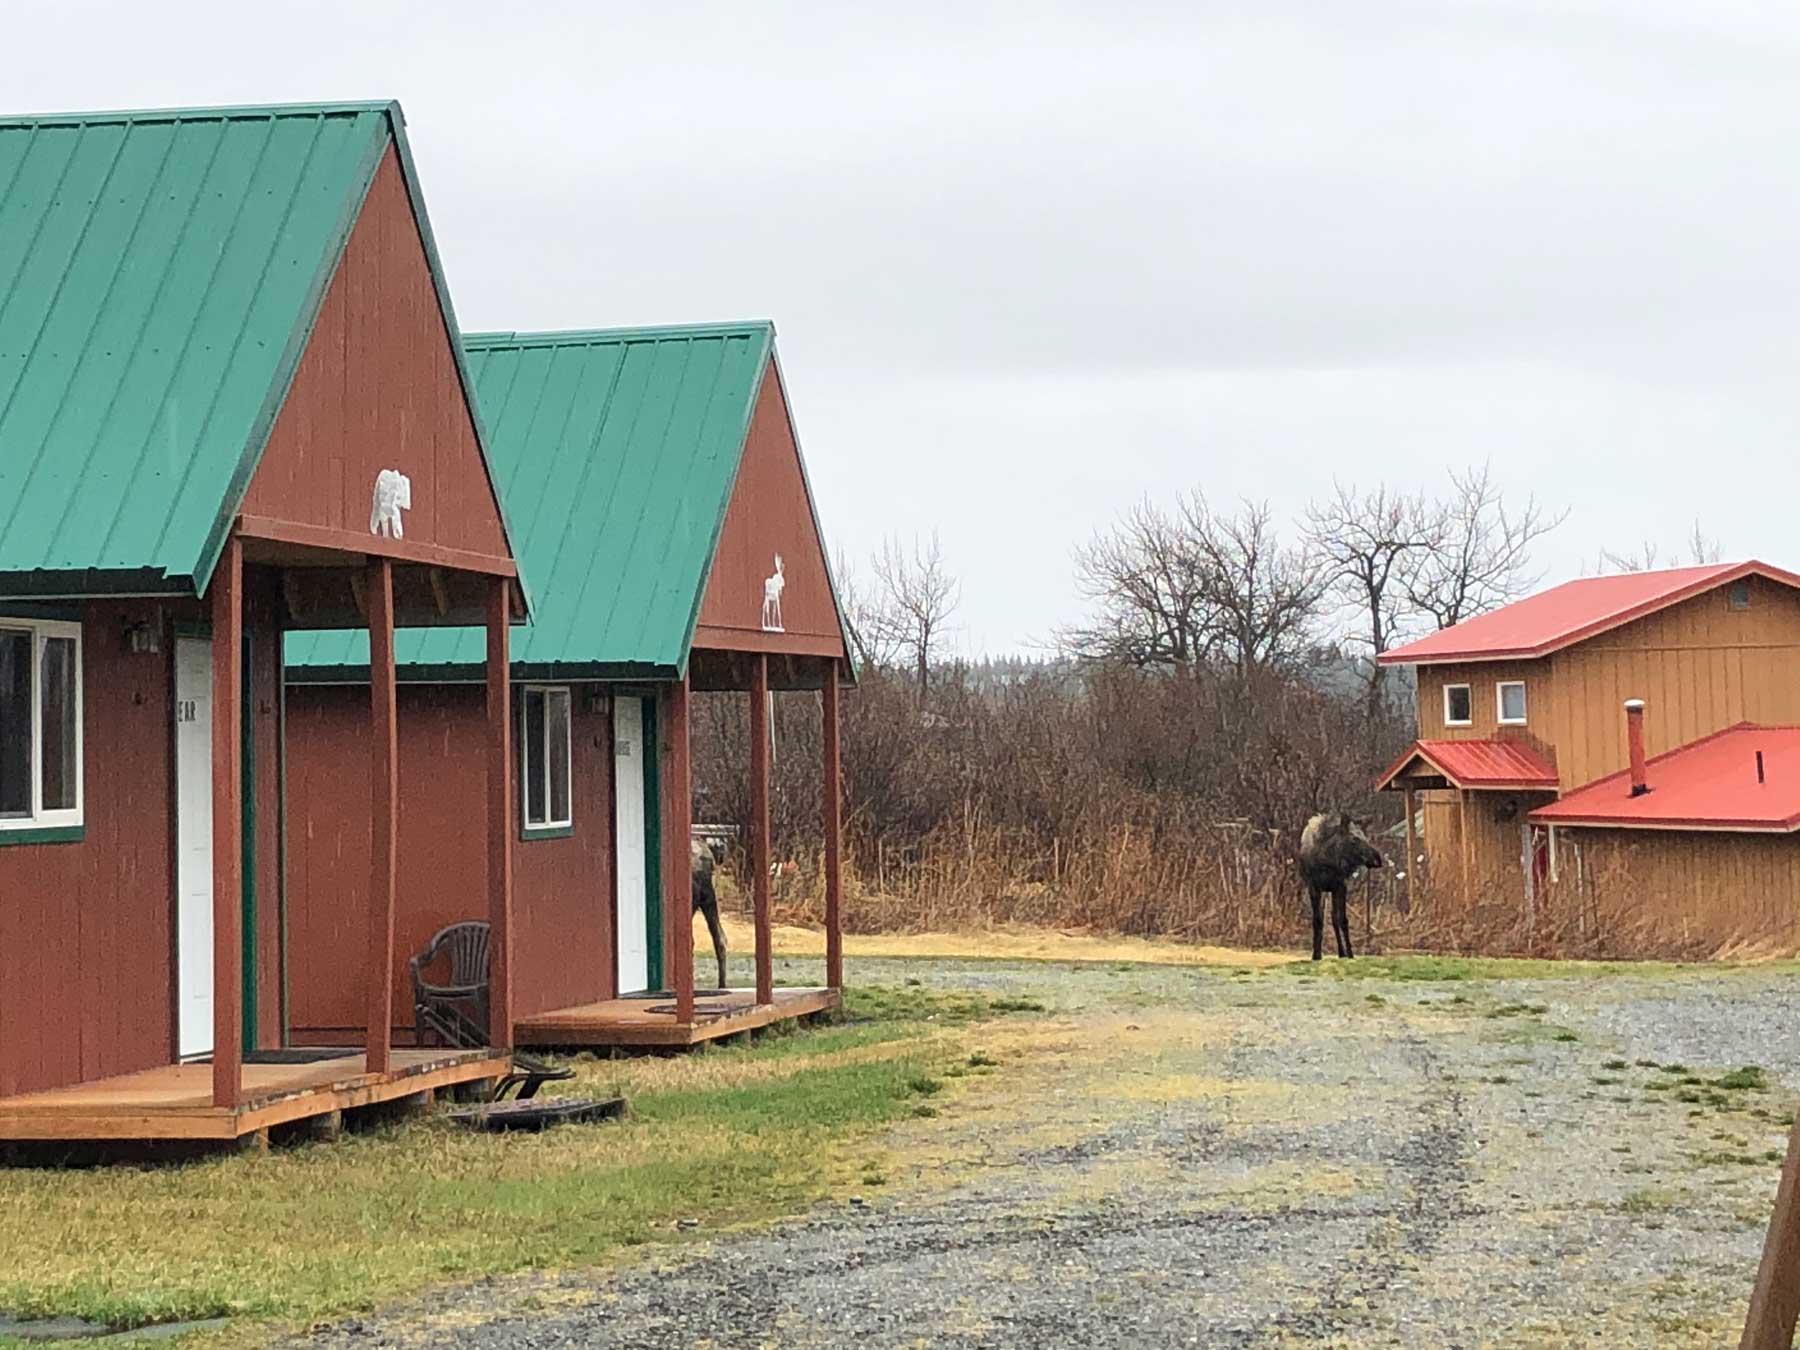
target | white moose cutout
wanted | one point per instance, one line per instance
(772, 588)
(393, 494)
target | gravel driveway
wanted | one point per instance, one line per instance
(1214, 1157)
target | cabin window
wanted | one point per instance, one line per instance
(544, 756)
(1740, 595)
(40, 724)
(1509, 695)
(1457, 705)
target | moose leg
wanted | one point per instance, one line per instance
(1340, 920)
(706, 900)
(1318, 923)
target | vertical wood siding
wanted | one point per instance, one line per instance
(769, 513)
(1695, 893)
(377, 389)
(562, 887)
(87, 928)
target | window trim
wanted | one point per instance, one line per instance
(1468, 721)
(59, 825)
(547, 828)
(1500, 717)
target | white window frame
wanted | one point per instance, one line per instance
(1450, 721)
(1500, 717)
(528, 765)
(65, 817)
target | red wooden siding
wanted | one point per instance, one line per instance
(377, 389)
(769, 514)
(562, 888)
(86, 929)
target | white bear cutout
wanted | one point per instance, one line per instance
(393, 494)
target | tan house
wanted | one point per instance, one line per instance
(1525, 772)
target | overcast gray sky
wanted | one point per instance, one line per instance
(1030, 263)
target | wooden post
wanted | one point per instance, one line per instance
(227, 597)
(384, 811)
(1775, 1302)
(678, 867)
(500, 815)
(1462, 830)
(834, 845)
(1412, 851)
(759, 823)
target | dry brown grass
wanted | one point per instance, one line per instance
(1232, 899)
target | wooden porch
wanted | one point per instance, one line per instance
(176, 1101)
(651, 1019)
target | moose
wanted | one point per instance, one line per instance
(707, 854)
(1333, 851)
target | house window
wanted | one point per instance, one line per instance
(40, 724)
(1457, 705)
(1740, 595)
(1509, 697)
(544, 758)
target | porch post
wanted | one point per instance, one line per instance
(1775, 1302)
(678, 866)
(227, 596)
(759, 823)
(384, 811)
(1462, 830)
(1412, 851)
(500, 816)
(833, 793)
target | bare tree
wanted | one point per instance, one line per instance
(1370, 543)
(1146, 581)
(1262, 595)
(872, 639)
(1699, 548)
(915, 598)
(1480, 554)
(1181, 588)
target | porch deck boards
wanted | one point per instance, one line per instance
(650, 1021)
(175, 1100)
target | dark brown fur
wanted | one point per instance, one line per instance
(706, 899)
(1333, 849)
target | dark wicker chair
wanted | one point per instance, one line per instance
(456, 1012)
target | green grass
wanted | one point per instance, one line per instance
(321, 1230)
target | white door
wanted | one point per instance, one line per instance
(193, 845)
(628, 845)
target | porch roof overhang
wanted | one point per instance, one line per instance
(1477, 765)
(323, 574)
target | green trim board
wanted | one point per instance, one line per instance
(44, 834)
(653, 928)
(163, 272)
(529, 833)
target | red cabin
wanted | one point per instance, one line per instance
(232, 405)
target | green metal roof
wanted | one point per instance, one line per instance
(160, 273)
(616, 451)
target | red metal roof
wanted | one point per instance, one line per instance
(1540, 624)
(1479, 764)
(1708, 784)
